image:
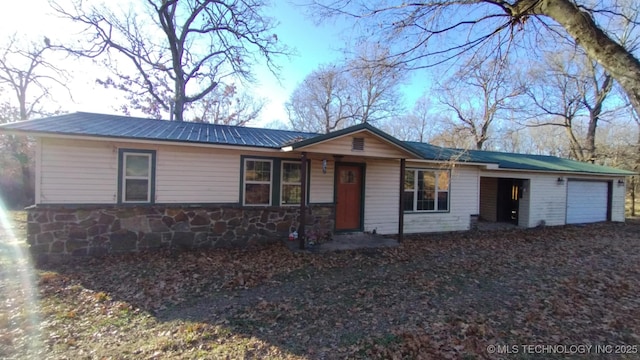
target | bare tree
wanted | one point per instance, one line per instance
(594, 94)
(321, 102)
(481, 93)
(27, 77)
(570, 91)
(373, 83)
(432, 32)
(543, 140)
(635, 166)
(189, 47)
(227, 107)
(363, 89)
(420, 125)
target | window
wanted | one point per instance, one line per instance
(426, 190)
(291, 180)
(137, 176)
(348, 177)
(257, 182)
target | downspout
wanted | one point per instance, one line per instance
(303, 200)
(401, 210)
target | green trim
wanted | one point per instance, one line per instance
(295, 161)
(242, 162)
(363, 169)
(152, 190)
(276, 179)
(276, 182)
(354, 129)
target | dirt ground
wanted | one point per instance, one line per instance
(473, 295)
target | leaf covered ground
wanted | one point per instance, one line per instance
(436, 296)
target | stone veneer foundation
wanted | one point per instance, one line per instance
(95, 231)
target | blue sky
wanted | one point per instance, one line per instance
(314, 45)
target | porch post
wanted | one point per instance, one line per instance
(303, 199)
(401, 210)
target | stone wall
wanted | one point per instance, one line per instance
(101, 230)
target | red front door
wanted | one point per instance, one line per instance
(348, 197)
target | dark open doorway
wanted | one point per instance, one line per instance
(509, 195)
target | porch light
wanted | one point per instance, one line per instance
(287, 148)
(560, 181)
(620, 182)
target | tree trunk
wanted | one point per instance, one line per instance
(590, 155)
(633, 196)
(614, 58)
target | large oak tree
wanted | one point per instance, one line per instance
(180, 51)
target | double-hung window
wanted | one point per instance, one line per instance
(137, 176)
(258, 177)
(291, 188)
(426, 190)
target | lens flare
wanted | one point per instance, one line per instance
(19, 311)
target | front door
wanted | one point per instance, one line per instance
(348, 197)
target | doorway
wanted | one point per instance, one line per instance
(349, 188)
(509, 195)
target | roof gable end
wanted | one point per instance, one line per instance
(357, 139)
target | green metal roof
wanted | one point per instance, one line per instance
(113, 126)
(541, 163)
(514, 161)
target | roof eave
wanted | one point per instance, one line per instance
(56, 135)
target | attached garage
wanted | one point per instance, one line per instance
(587, 201)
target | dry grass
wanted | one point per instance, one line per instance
(441, 296)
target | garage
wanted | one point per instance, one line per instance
(587, 201)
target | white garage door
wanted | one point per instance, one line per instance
(587, 201)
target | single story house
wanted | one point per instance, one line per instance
(108, 183)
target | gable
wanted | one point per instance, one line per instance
(361, 143)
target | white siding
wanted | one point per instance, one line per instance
(524, 205)
(617, 200)
(191, 175)
(545, 198)
(373, 147)
(321, 186)
(86, 172)
(548, 200)
(78, 172)
(464, 194)
(382, 196)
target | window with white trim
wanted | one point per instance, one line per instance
(258, 176)
(291, 183)
(137, 176)
(426, 190)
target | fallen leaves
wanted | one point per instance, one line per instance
(438, 296)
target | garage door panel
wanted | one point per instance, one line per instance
(587, 201)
